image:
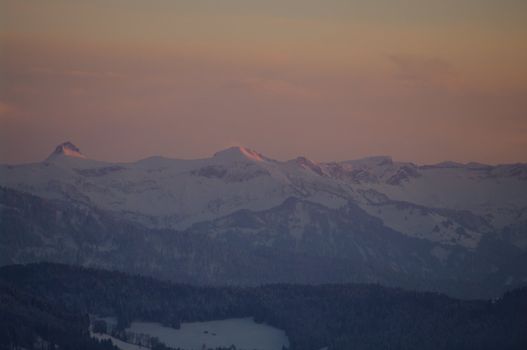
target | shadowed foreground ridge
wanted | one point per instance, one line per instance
(343, 245)
(343, 316)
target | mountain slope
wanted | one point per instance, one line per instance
(242, 217)
(297, 241)
(171, 193)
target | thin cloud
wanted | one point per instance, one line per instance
(279, 87)
(423, 70)
(6, 109)
(75, 73)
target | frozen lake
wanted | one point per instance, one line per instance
(119, 343)
(242, 332)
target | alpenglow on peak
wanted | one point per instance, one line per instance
(239, 153)
(67, 149)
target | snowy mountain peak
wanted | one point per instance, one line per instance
(372, 161)
(238, 153)
(304, 161)
(307, 163)
(448, 164)
(66, 149)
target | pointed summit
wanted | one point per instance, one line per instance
(67, 149)
(238, 153)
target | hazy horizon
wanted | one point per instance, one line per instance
(212, 152)
(419, 81)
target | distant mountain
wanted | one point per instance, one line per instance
(242, 217)
(66, 149)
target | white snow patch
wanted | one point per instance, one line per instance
(244, 333)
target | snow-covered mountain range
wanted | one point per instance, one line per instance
(454, 209)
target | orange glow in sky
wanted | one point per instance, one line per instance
(423, 81)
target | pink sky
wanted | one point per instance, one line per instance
(331, 80)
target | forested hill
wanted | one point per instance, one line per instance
(30, 322)
(348, 316)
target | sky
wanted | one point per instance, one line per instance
(420, 80)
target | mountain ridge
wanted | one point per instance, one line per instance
(68, 148)
(452, 215)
